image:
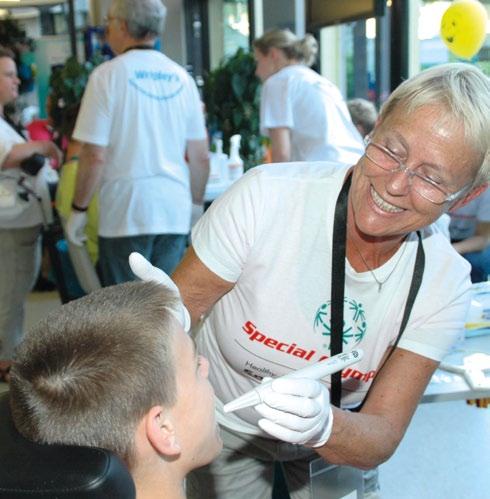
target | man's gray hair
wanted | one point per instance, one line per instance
(363, 114)
(144, 18)
(465, 92)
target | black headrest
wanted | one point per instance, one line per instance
(30, 470)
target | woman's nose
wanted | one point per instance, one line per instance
(398, 183)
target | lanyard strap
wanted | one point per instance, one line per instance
(338, 288)
(139, 47)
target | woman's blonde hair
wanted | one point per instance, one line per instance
(464, 90)
(303, 50)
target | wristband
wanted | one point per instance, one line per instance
(78, 208)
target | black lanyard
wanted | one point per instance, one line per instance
(139, 47)
(338, 287)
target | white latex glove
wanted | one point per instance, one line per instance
(297, 411)
(196, 213)
(75, 227)
(143, 269)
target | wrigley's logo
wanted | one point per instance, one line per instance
(156, 85)
(293, 349)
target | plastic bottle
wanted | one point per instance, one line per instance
(235, 163)
(218, 163)
(222, 159)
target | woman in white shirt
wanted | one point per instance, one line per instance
(21, 216)
(302, 112)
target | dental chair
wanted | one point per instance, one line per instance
(30, 470)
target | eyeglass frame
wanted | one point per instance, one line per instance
(402, 167)
(108, 18)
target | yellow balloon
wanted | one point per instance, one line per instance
(463, 27)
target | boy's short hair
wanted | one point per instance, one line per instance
(88, 372)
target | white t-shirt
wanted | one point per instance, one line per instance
(271, 234)
(313, 109)
(465, 219)
(32, 214)
(143, 108)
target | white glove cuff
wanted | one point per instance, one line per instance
(323, 439)
(145, 271)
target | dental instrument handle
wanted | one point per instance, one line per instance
(316, 371)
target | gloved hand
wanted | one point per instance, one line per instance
(75, 227)
(143, 269)
(196, 213)
(297, 411)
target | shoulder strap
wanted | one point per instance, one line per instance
(338, 288)
(338, 284)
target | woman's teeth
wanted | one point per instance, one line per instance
(382, 204)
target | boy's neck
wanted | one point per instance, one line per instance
(163, 486)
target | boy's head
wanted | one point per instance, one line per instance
(116, 370)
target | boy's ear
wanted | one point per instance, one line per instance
(161, 433)
(475, 192)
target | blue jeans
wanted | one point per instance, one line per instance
(163, 250)
(480, 264)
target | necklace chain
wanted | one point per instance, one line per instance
(380, 283)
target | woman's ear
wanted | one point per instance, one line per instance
(474, 193)
(161, 433)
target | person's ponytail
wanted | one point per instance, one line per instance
(307, 49)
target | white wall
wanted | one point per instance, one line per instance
(173, 38)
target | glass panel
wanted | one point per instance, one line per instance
(355, 72)
(236, 26)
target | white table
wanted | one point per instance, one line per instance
(214, 190)
(446, 385)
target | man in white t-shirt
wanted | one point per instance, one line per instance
(140, 115)
(470, 234)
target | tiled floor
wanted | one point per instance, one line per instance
(38, 305)
(444, 455)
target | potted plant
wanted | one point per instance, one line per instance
(231, 95)
(67, 84)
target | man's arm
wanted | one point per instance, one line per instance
(198, 155)
(90, 169)
(478, 242)
(20, 152)
(200, 288)
(368, 438)
(280, 144)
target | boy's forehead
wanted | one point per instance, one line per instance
(184, 345)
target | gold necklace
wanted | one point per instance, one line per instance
(380, 283)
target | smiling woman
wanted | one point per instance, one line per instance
(425, 180)
(357, 250)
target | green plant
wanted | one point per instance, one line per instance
(231, 95)
(67, 84)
